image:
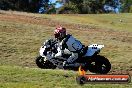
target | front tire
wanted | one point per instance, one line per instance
(44, 64)
(81, 80)
(99, 64)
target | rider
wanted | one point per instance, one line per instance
(67, 41)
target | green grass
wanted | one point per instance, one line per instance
(18, 77)
(118, 22)
(20, 40)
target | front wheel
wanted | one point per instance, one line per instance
(99, 64)
(44, 64)
(81, 80)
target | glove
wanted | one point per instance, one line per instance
(60, 52)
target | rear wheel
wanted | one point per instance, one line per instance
(44, 64)
(99, 64)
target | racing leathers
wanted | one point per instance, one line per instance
(73, 45)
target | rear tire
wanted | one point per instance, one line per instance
(41, 63)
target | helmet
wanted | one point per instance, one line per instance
(60, 32)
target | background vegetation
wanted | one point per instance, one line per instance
(70, 6)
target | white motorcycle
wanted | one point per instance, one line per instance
(89, 59)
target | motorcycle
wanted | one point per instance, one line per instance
(89, 59)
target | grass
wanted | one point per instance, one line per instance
(19, 42)
(22, 34)
(118, 22)
(18, 77)
(33, 77)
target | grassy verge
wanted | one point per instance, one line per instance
(18, 77)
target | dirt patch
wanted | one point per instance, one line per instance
(112, 34)
(40, 21)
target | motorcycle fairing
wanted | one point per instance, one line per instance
(92, 49)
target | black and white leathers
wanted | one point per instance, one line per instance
(73, 45)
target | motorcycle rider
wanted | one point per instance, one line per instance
(67, 41)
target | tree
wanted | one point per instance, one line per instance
(126, 5)
(85, 6)
(20, 5)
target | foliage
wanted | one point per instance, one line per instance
(51, 10)
(68, 9)
(96, 6)
(70, 6)
(85, 6)
(126, 5)
(130, 9)
(92, 6)
(21, 5)
(24, 5)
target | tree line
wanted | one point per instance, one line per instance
(19, 5)
(95, 6)
(69, 6)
